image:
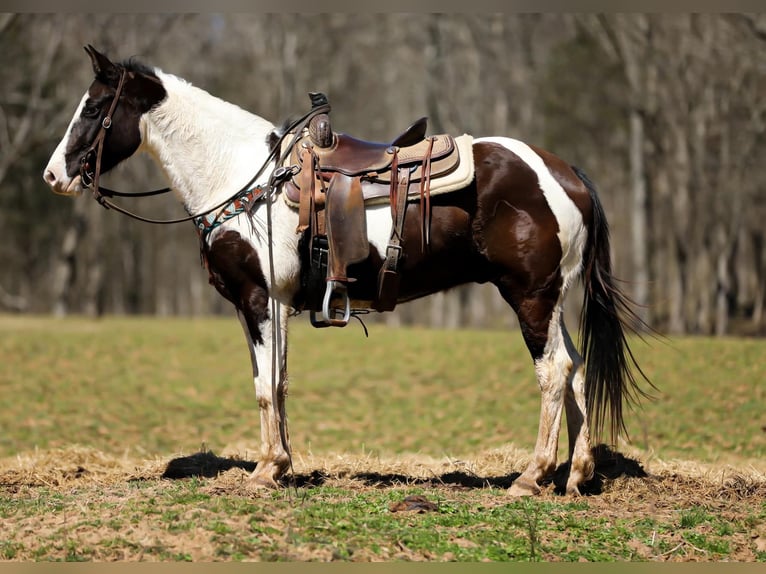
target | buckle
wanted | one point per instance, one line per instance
(396, 248)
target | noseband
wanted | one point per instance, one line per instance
(89, 173)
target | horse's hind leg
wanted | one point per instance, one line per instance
(539, 318)
(559, 369)
(580, 456)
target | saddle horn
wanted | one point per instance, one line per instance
(320, 130)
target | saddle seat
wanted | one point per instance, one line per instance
(352, 156)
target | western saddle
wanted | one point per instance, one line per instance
(338, 176)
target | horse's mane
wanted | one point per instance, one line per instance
(134, 65)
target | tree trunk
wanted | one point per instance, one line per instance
(639, 215)
(64, 267)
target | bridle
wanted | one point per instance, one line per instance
(90, 178)
(89, 173)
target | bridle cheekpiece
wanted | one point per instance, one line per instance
(89, 173)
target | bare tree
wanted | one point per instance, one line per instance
(666, 113)
(628, 38)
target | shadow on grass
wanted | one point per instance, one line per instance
(609, 466)
(457, 479)
(204, 464)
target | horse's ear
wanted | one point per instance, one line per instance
(103, 67)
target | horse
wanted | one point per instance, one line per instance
(528, 222)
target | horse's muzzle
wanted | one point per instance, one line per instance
(73, 188)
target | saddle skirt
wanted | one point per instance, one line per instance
(451, 169)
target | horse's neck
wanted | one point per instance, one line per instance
(208, 148)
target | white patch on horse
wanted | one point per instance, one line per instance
(379, 227)
(55, 173)
(209, 148)
(572, 233)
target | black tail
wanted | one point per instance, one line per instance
(606, 314)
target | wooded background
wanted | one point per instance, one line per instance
(666, 113)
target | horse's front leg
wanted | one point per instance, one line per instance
(235, 271)
(267, 342)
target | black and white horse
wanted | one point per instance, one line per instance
(528, 223)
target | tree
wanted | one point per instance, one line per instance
(666, 114)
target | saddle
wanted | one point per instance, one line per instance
(338, 176)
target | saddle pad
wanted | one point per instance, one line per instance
(460, 177)
(378, 193)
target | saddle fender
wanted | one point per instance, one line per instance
(346, 226)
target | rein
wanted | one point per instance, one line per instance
(100, 194)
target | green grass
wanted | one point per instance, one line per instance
(167, 386)
(338, 524)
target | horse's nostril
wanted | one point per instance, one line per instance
(50, 177)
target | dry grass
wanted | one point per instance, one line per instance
(93, 488)
(67, 468)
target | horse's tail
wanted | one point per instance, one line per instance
(606, 315)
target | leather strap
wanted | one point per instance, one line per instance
(307, 174)
(346, 227)
(425, 198)
(389, 277)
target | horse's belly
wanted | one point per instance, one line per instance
(448, 260)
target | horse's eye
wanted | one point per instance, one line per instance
(90, 111)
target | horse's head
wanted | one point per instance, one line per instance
(106, 123)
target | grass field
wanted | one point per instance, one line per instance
(94, 410)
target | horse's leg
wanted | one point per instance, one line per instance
(274, 458)
(538, 314)
(581, 466)
(235, 271)
(560, 376)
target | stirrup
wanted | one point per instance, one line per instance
(331, 317)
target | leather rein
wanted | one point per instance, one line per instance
(90, 176)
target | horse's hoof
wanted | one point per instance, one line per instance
(523, 488)
(573, 490)
(577, 478)
(261, 483)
